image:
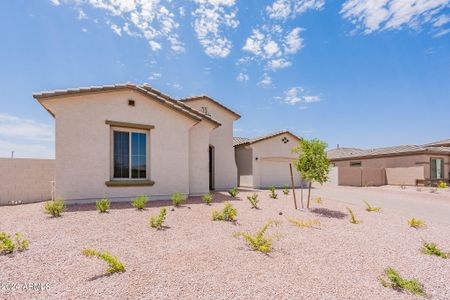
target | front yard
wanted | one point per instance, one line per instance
(195, 257)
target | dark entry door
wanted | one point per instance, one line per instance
(211, 167)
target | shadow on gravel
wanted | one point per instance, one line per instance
(218, 198)
(99, 276)
(328, 213)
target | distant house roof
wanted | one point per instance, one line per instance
(443, 143)
(145, 90)
(193, 98)
(355, 153)
(241, 141)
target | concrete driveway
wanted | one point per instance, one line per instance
(410, 202)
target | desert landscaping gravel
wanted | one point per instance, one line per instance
(197, 258)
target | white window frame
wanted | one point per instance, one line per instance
(147, 161)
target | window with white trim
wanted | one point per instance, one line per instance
(130, 154)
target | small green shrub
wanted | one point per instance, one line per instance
(431, 249)
(258, 242)
(442, 185)
(304, 223)
(114, 264)
(55, 207)
(370, 208)
(157, 221)
(207, 198)
(416, 223)
(317, 200)
(103, 205)
(178, 198)
(228, 213)
(285, 189)
(273, 194)
(233, 192)
(7, 245)
(253, 199)
(353, 219)
(139, 202)
(395, 281)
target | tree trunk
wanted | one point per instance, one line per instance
(293, 186)
(301, 190)
(309, 195)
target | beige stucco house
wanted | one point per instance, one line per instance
(120, 141)
(398, 165)
(264, 161)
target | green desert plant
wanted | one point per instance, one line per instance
(431, 249)
(273, 194)
(312, 163)
(157, 221)
(253, 199)
(317, 200)
(7, 245)
(114, 264)
(139, 202)
(228, 213)
(178, 198)
(55, 207)
(442, 185)
(353, 219)
(395, 281)
(285, 189)
(233, 192)
(370, 208)
(258, 242)
(207, 198)
(304, 223)
(416, 223)
(103, 205)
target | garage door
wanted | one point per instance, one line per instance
(274, 173)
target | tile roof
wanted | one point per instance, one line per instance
(352, 153)
(145, 90)
(193, 98)
(240, 140)
(439, 143)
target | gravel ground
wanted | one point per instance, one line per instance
(198, 258)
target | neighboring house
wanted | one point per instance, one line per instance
(264, 161)
(120, 141)
(400, 165)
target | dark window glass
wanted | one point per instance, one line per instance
(121, 154)
(437, 168)
(138, 155)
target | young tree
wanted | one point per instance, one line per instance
(312, 163)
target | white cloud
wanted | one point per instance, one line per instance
(296, 95)
(211, 17)
(242, 77)
(154, 76)
(280, 63)
(84, 30)
(116, 29)
(26, 150)
(266, 81)
(81, 15)
(15, 127)
(285, 9)
(175, 85)
(148, 19)
(55, 2)
(371, 16)
(272, 46)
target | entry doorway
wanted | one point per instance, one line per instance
(211, 167)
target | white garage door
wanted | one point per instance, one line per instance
(274, 173)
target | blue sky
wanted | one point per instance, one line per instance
(349, 72)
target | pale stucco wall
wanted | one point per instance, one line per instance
(83, 145)
(400, 162)
(244, 161)
(199, 158)
(404, 176)
(361, 176)
(25, 180)
(225, 170)
(271, 158)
